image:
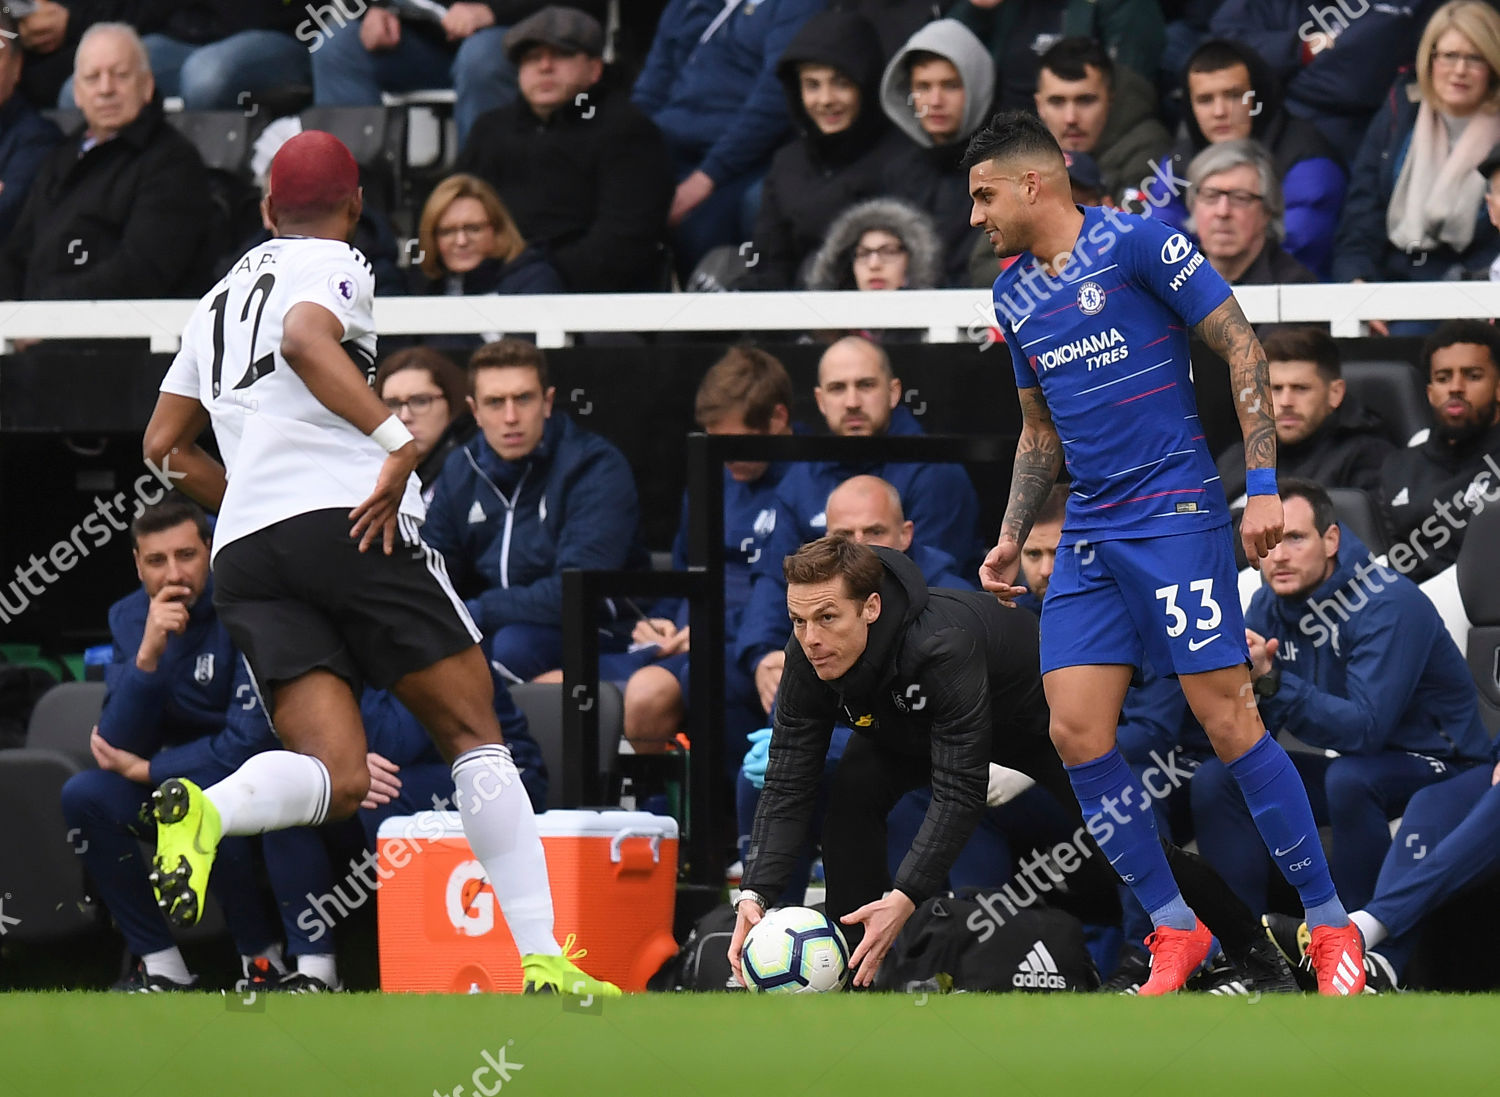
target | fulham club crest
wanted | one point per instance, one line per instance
(1090, 298)
(203, 673)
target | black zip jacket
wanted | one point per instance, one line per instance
(593, 183)
(1429, 493)
(1347, 451)
(949, 679)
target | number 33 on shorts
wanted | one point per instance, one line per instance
(1177, 619)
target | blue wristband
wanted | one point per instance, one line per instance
(1260, 482)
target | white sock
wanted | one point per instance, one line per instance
(271, 953)
(321, 965)
(272, 791)
(169, 964)
(501, 828)
(1373, 929)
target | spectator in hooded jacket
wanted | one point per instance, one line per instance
(1321, 434)
(471, 246)
(1426, 489)
(583, 171)
(1352, 658)
(214, 54)
(1237, 211)
(710, 85)
(25, 136)
(859, 396)
(121, 208)
(1018, 32)
(400, 48)
(1335, 66)
(428, 393)
(937, 90)
(1107, 112)
(831, 72)
(1414, 211)
(880, 244)
(530, 496)
(1230, 94)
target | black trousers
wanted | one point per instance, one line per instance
(870, 780)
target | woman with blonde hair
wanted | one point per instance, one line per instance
(1415, 208)
(470, 245)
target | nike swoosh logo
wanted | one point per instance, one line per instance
(1294, 845)
(1016, 327)
(1194, 645)
(198, 846)
(1117, 858)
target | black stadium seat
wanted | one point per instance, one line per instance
(1393, 390)
(222, 137)
(1356, 510)
(542, 704)
(45, 898)
(63, 719)
(1481, 596)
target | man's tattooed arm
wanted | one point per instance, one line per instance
(1038, 460)
(1232, 338)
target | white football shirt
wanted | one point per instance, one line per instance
(284, 452)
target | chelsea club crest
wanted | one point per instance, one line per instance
(1090, 298)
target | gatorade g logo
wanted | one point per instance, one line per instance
(470, 900)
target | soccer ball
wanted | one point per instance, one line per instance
(795, 950)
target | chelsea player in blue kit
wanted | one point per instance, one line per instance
(1096, 311)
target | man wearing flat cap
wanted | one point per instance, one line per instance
(582, 170)
(412, 45)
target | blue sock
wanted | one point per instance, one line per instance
(1277, 801)
(1120, 818)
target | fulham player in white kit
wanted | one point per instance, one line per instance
(324, 583)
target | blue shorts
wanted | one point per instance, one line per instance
(1173, 600)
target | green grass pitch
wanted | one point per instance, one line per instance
(718, 1045)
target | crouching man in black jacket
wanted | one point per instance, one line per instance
(936, 684)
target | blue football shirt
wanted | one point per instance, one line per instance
(1107, 342)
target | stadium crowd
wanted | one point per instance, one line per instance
(798, 144)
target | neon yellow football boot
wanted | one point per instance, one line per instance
(544, 974)
(188, 829)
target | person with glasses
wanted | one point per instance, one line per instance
(426, 391)
(1415, 209)
(1236, 206)
(880, 244)
(469, 245)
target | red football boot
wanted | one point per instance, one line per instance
(1175, 955)
(1338, 956)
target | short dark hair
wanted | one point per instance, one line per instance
(1216, 55)
(1479, 332)
(914, 58)
(747, 380)
(1069, 57)
(838, 554)
(437, 365)
(1055, 507)
(1013, 133)
(1294, 487)
(170, 511)
(509, 354)
(1304, 344)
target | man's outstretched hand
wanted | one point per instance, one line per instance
(376, 516)
(883, 920)
(998, 572)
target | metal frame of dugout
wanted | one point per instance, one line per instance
(703, 585)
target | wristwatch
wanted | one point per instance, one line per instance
(1268, 684)
(755, 897)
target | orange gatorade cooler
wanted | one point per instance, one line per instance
(614, 877)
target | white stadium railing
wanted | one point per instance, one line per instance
(945, 316)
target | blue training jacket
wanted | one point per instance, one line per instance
(195, 716)
(1367, 665)
(721, 98)
(508, 529)
(939, 499)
